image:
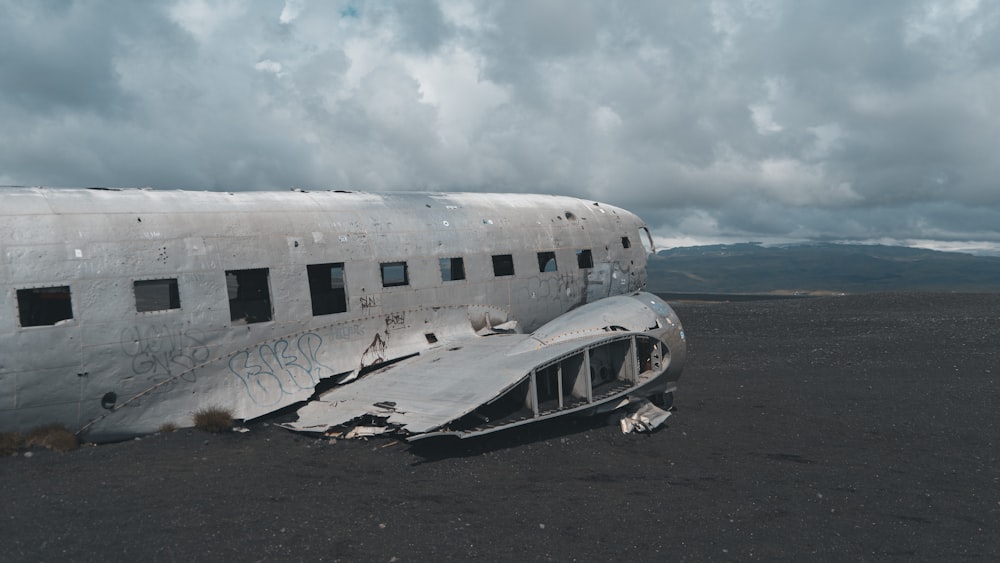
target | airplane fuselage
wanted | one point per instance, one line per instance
(125, 310)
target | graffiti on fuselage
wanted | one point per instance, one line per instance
(162, 350)
(553, 287)
(345, 332)
(395, 320)
(283, 367)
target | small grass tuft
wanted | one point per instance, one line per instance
(167, 427)
(55, 437)
(10, 442)
(214, 419)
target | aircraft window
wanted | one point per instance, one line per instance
(626, 243)
(503, 265)
(326, 288)
(647, 240)
(156, 295)
(394, 273)
(452, 269)
(249, 296)
(44, 306)
(546, 261)
(584, 259)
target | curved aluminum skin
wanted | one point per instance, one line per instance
(123, 311)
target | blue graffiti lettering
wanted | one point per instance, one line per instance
(271, 371)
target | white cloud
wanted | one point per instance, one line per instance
(290, 11)
(796, 183)
(267, 65)
(759, 120)
(763, 119)
(938, 19)
(452, 82)
(606, 120)
(827, 139)
(202, 18)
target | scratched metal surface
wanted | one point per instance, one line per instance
(163, 366)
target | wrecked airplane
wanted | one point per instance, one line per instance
(123, 311)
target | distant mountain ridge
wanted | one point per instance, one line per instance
(851, 268)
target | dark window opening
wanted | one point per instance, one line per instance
(394, 274)
(546, 261)
(326, 288)
(648, 352)
(44, 306)
(611, 368)
(584, 259)
(249, 296)
(156, 295)
(452, 269)
(547, 388)
(626, 243)
(503, 265)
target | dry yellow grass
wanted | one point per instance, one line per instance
(213, 419)
(52, 436)
(167, 427)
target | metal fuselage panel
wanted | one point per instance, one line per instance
(111, 371)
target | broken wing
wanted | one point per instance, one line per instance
(583, 362)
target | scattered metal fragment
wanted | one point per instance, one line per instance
(641, 415)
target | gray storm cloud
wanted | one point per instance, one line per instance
(721, 120)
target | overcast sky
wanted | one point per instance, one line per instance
(717, 121)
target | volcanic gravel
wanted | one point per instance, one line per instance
(836, 428)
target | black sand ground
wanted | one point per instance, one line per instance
(843, 428)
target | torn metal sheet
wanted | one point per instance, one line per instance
(502, 328)
(485, 384)
(429, 391)
(641, 415)
(366, 431)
